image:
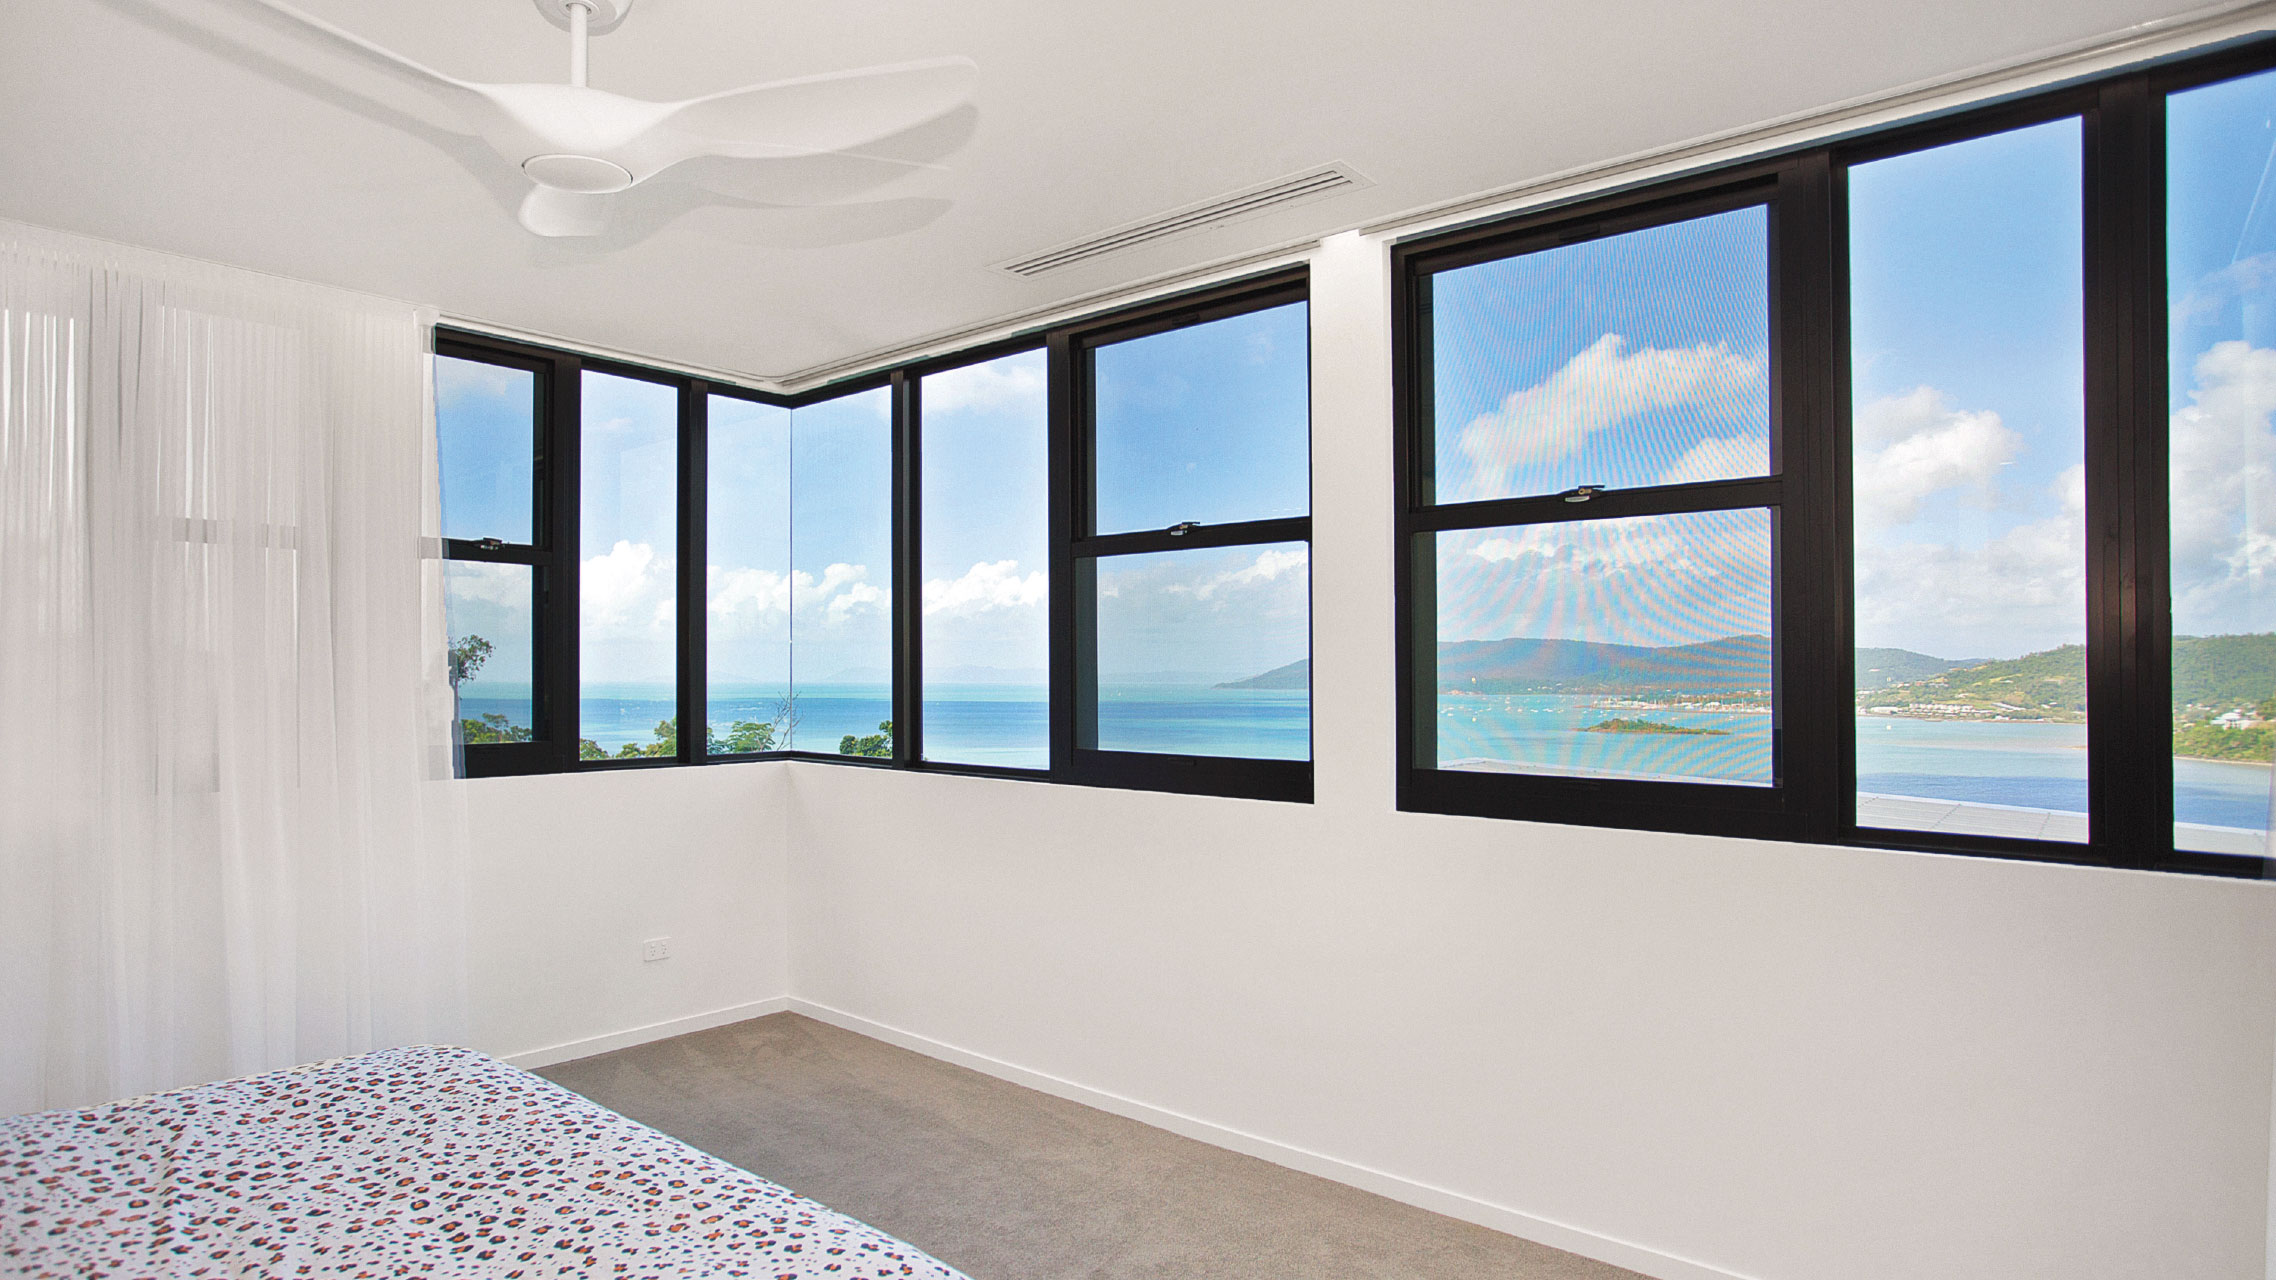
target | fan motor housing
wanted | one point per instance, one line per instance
(606, 13)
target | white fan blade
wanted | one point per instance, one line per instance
(815, 115)
(355, 46)
(563, 214)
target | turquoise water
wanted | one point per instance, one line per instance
(1003, 725)
(2037, 766)
(2026, 765)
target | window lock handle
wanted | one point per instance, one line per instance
(491, 544)
(1581, 492)
(1182, 528)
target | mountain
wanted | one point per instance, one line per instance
(2048, 685)
(1733, 664)
(1880, 668)
(1296, 675)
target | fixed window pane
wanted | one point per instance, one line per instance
(491, 611)
(747, 583)
(628, 613)
(986, 563)
(2221, 273)
(841, 597)
(1209, 423)
(1204, 653)
(1635, 359)
(486, 433)
(1631, 648)
(1969, 444)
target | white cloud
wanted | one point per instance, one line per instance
(1015, 380)
(1915, 445)
(987, 586)
(1269, 566)
(626, 592)
(1719, 458)
(1597, 390)
(2224, 494)
(1652, 581)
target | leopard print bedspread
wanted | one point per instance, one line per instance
(424, 1161)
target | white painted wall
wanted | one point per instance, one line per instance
(570, 873)
(1694, 1056)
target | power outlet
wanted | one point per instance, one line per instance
(656, 949)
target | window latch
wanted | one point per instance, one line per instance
(1182, 528)
(1581, 492)
(491, 544)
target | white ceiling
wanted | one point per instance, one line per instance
(131, 120)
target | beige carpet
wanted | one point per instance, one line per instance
(1010, 1184)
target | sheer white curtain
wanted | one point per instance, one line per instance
(228, 841)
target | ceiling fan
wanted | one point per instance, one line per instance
(580, 145)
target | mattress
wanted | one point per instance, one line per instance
(425, 1161)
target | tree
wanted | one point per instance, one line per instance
(492, 727)
(467, 654)
(744, 737)
(876, 744)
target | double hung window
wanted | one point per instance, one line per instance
(1907, 491)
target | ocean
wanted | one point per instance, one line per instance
(2027, 765)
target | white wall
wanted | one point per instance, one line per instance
(570, 873)
(1770, 1060)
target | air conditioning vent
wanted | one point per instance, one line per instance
(1312, 184)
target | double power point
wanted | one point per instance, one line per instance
(655, 949)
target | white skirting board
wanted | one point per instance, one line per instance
(1454, 1204)
(575, 1049)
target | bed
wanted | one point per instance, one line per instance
(425, 1161)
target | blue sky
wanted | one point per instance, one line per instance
(1639, 359)
(2221, 277)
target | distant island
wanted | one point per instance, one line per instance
(1296, 675)
(1617, 725)
(2224, 687)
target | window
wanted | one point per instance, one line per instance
(1597, 516)
(490, 416)
(1187, 618)
(747, 578)
(628, 639)
(985, 458)
(1968, 457)
(2220, 256)
(1903, 492)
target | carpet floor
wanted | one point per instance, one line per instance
(1007, 1183)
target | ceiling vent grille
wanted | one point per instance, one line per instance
(1312, 184)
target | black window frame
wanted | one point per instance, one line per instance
(1076, 550)
(2129, 625)
(559, 445)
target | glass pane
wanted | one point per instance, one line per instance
(491, 611)
(987, 642)
(1206, 653)
(1633, 648)
(1969, 447)
(747, 582)
(1210, 423)
(486, 431)
(1636, 359)
(842, 576)
(628, 651)
(2221, 269)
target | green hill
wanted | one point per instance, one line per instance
(2049, 685)
(1880, 668)
(2214, 674)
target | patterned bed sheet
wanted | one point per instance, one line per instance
(425, 1161)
